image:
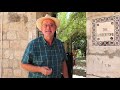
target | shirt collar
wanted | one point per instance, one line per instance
(45, 43)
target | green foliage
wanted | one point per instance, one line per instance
(71, 22)
(73, 26)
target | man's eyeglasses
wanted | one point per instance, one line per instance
(50, 25)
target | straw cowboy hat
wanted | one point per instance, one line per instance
(40, 20)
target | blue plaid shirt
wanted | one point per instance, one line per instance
(39, 53)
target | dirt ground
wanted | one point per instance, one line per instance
(80, 68)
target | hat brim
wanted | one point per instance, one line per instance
(40, 20)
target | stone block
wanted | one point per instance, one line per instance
(5, 63)
(15, 45)
(17, 72)
(98, 14)
(23, 44)
(6, 54)
(11, 35)
(5, 44)
(18, 54)
(7, 72)
(22, 35)
(15, 64)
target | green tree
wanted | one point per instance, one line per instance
(73, 26)
(71, 22)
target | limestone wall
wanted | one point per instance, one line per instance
(0, 43)
(16, 30)
(103, 44)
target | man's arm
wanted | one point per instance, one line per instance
(31, 68)
(65, 70)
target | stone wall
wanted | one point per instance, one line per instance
(0, 42)
(103, 44)
(17, 29)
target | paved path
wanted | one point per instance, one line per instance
(76, 76)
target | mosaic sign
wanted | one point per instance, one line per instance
(106, 31)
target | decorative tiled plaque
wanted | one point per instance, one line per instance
(106, 31)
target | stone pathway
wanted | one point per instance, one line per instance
(76, 76)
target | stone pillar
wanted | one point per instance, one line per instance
(18, 28)
(103, 44)
(0, 43)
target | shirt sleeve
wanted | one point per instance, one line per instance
(27, 56)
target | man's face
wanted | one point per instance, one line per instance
(48, 28)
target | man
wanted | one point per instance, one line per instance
(45, 56)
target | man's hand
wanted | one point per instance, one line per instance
(46, 70)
